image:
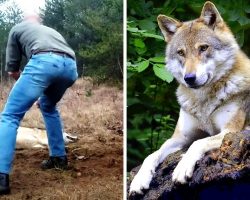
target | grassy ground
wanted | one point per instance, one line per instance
(94, 114)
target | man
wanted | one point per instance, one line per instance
(50, 70)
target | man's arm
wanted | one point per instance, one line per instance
(13, 54)
(14, 75)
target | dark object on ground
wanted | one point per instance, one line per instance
(55, 162)
(223, 173)
(4, 184)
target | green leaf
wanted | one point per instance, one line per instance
(142, 65)
(129, 63)
(150, 35)
(157, 59)
(141, 51)
(233, 15)
(134, 30)
(139, 43)
(247, 9)
(161, 65)
(243, 20)
(162, 73)
(132, 101)
(147, 24)
(131, 23)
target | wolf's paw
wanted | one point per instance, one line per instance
(143, 178)
(140, 182)
(184, 169)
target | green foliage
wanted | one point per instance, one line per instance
(53, 14)
(92, 28)
(8, 18)
(95, 34)
(152, 108)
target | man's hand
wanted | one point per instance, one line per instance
(14, 75)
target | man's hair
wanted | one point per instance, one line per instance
(34, 17)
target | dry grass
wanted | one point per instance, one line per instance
(86, 107)
(94, 114)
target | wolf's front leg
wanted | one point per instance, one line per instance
(228, 119)
(143, 178)
(183, 136)
(185, 167)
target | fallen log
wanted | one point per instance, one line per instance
(222, 173)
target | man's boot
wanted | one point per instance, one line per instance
(55, 162)
(4, 184)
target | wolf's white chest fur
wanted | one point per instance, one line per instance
(209, 107)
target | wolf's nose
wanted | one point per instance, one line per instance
(190, 79)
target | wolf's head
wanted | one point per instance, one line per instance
(201, 51)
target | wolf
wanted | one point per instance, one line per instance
(213, 93)
(37, 138)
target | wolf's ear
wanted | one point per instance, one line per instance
(168, 26)
(210, 15)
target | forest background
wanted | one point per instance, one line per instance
(94, 29)
(152, 109)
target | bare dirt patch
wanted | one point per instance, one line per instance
(94, 114)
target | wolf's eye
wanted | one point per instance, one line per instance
(203, 48)
(180, 52)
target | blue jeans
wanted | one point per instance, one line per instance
(46, 76)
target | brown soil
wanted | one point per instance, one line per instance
(96, 164)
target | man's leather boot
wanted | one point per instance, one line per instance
(4, 184)
(55, 162)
